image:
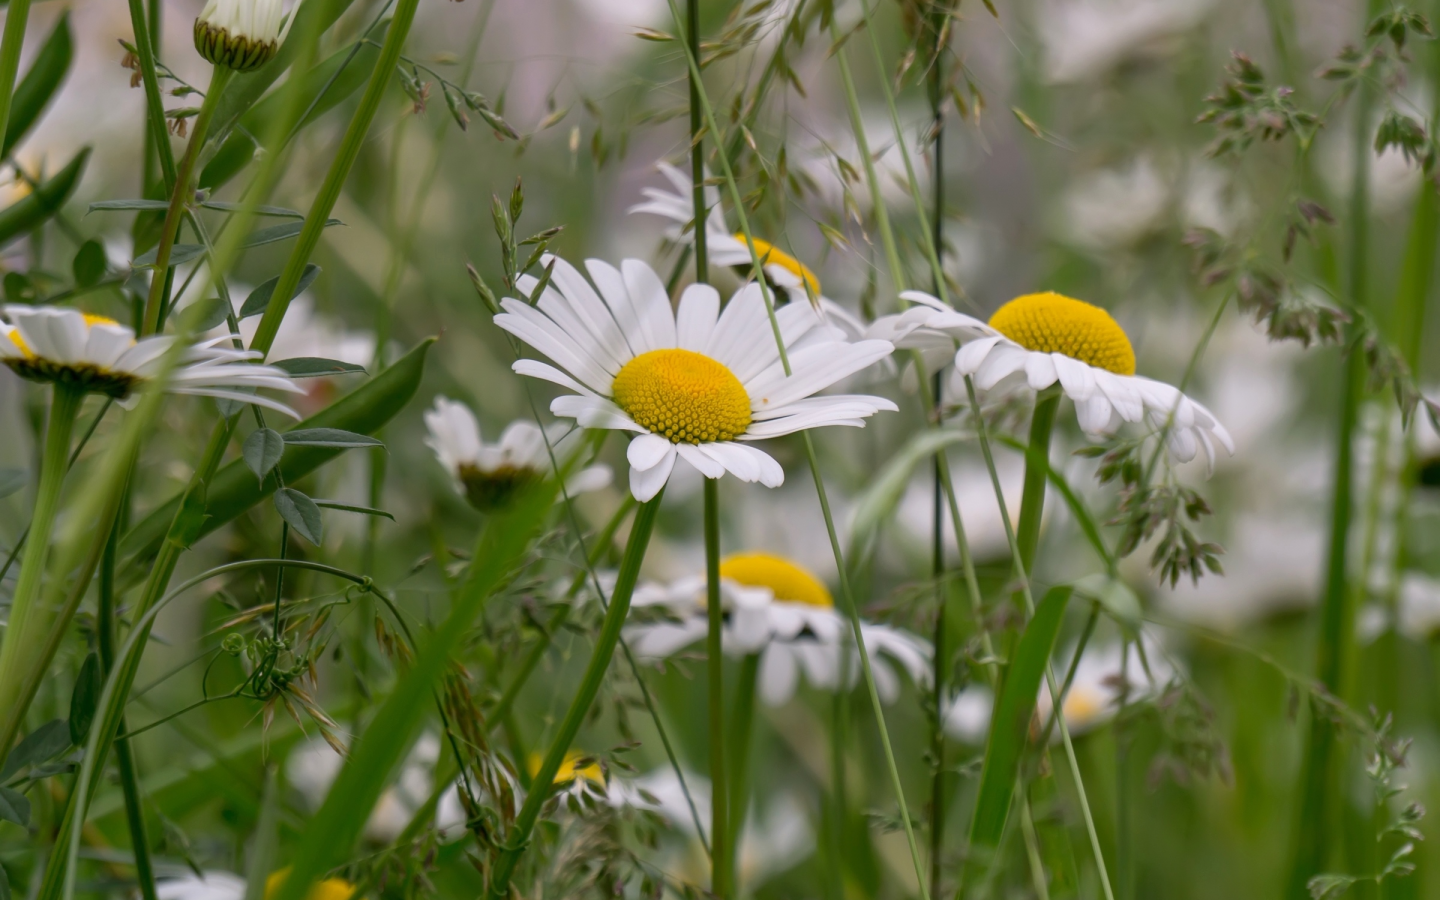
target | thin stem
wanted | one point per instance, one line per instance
(519, 838)
(180, 195)
(697, 147)
(156, 136)
(867, 674)
(742, 727)
(17, 646)
(720, 865)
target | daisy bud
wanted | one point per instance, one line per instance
(239, 34)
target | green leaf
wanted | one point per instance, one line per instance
(12, 480)
(315, 366)
(1010, 726)
(14, 807)
(29, 213)
(262, 451)
(259, 298)
(329, 437)
(260, 210)
(363, 510)
(39, 84)
(88, 266)
(179, 255)
(281, 232)
(5, 893)
(44, 743)
(207, 314)
(19, 288)
(83, 698)
(233, 489)
(302, 514)
(335, 828)
(108, 205)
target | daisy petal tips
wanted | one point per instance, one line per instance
(1039, 340)
(695, 384)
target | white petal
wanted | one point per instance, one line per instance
(645, 485)
(537, 369)
(593, 412)
(778, 675)
(814, 369)
(1075, 377)
(1039, 371)
(699, 310)
(703, 463)
(1004, 360)
(652, 304)
(1094, 414)
(647, 450)
(969, 357)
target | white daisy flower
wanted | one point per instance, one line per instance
(99, 355)
(209, 885)
(697, 385)
(782, 612)
(727, 248)
(1039, 340)
(490, 475)
(240, 34)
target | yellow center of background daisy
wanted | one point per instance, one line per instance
(1054, 323)
(685, 396)
(787, 581)
(24, 349)
(329, 889)
(567, 772)
(770, 255)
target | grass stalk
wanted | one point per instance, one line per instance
(17, 14)
(721, 870)
(519, 837)
(741, 736)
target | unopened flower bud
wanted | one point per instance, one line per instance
(239, 34)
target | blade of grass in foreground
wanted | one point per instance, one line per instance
(335, 828)
(1009, 727)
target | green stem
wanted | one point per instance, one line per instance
(180, 195)
(742, 727)
(721, 870)
(866, 672)
(697, 147)
(335, 177)
(156, 136)
(16, 651)
(17, 15)
(1037, 467)
(519, 837)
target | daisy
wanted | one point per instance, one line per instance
(725, 248)
(1043, 339)
(783, 613)
(490, 475)
(240, 34)
(698, 385)
(98, 355)
(215, 885)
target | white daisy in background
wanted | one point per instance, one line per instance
(1039, 340)
(697, 385)
(1418, 612)
(725, 248)
(783, 613)
(209, 885)
(313, 767)
(776, 836)
(490, 475)
(1085, 38)
(99, 355)
(1101, 679)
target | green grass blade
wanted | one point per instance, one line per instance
(40, 83)
(1010, 725)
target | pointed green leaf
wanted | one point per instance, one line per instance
(179, 255)
(262, 451)
(259, 298)
(281, 232)
(88, 266)
(14, 807)
(39, 84)
(301, 512)
(115, 205)
(83, 698)
(315, 366)
(259, 210)
(363, 510)
(329, 437)
(44, 743)
(12, 480)
(24, 216)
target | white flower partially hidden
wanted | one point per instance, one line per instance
(491, 475)
(1040, 340)
(726, 248)
(99, 355)
(698, 384)
(778, 610)
(240, 34)
(209, 885)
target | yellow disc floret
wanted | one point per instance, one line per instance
(771, 255)
(1054, 323)
(787, 581)
(90, 320)
(685, 396)
(329, 889)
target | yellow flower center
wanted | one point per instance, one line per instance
(329, 889)
(1081, 706)
(90, 320)
(1054, 323)
(686, 396)
(568, 773)
(787, 581)
(771, 255)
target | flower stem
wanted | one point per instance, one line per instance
(16, 651)
(180, 195)
(156, 135)
(742, 722)
(697, 146)
(1037, 467)
(519, 837)
(720, 867)
(867, 674)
